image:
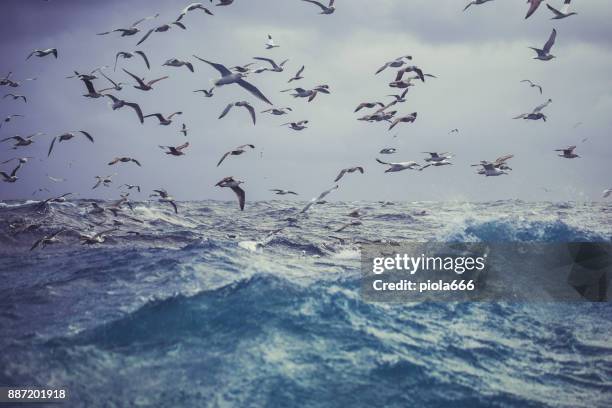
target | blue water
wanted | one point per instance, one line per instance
(209, 308)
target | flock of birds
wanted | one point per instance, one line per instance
(405, 77)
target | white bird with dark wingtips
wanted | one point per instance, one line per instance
(68, 136)
(396, 63)
(568, 152)
(131, 30)
(163, 120)
(475, 3)
(174, 62)
(128, 55)
(298, 75)
(348, 170)
(278, 111)
(236, 152)
(270, 44)
(329, 9)
(228, 77)
(301, 125)
(563, 13)
(230, 182)
(319, 198)
(43, 53)
(242, 104)
(410, 118)
(400, 166)
(544, 53)
(119, 103)
(15, 97)
(275, 67)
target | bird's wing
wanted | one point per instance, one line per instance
(300, 71)
(241, 196)
(533, 7)
(551, 41)
(159, 116)
(270, 61)
(317, 3)
(144, 19)
(226, 110)
(554, 10)
(157, 80)
(174, 114)
(183, 146)
(178, 24)
(223, 158)
(136, 162)
(144, 57)
(253, 90)
(382, 162)
(219, 67)
(113, 98)
(137, 109)
(114, 161)
(381, 69)
(51, 147)
(145, 36)
(87, 135)
(342, 173)
(174, 205)
(140, 82)
(251, 111)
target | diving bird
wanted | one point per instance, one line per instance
(120, 103)
(544, 53)
(68, 136)
(536, 114)
(348, 170)
(209, 93)
(396, 63)
(368, 105)
(563, 13)
(128, 55)
(298, 75)
(124, 160)
(175, 151)
(9, 118)
(532, 85)
(278, 111)
(242, 104)
(192, 7)
(228, 77)
(399, 166)
(270, 44)
(21, 141)
(230, 182)
(275, 67)
(15, 97)
(283, 192)
(141, 84)
(11, 178)
(161, 29)
(48, 240)
(475, 3)
(568, 152)
(103, 181)
(43, 53)
(410, 118)
(131, 30)
(533, 6)
(174, 62)
(318, 199)
(301, 125)
(236, 152)
(329, 9)
(164, 197)
(163, 120)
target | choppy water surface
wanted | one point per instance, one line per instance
(214, 307)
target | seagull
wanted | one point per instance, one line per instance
(318, 199)
(176, 151)
(329, 9)
(388, 150)
(230, 182)
(242, 104)
(568, 152)
(131, 30)
(405, 119)
(103, 180)
(436, 164)
(119, 103)
(43, 53)
(270, 44)
(379, 116)
(302, 93)
(499, 163)
(532, 7)
(301, 125)
(348, 170)
(536, 114)
(418, 71)
(563, 13)
(13, 176)
(184, 130)
(544, 53)
(283, 192)
(236, 152)
(162, 120)
(178, 63)
(437, 157)
(489, 169)
(278, 111)
(91, 90)
(454, 131)
(164, 197)
(47, 240)
(161, 29)
(97, 238)
(9, 118)
(15, 97)
(131, 186)
(396, 63)
(117, 86)
(476, 3)
(192, 7)
(533, 85)
(128, 55)
(369, 105)
(606, 193)
(395, 167)
(124, 160)
(67, 136)
(298, 75)
(207, 93)
(275, 67)
(229, 77)
(141, 84)
(400, 98)
(21, 141)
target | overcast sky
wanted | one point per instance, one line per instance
(480, 57)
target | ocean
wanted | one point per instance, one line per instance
(214, 307)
